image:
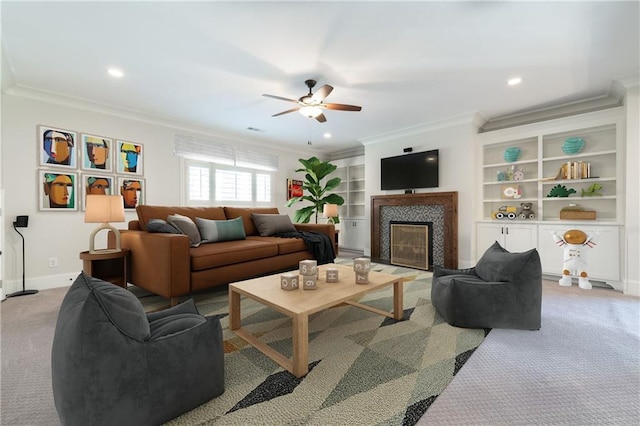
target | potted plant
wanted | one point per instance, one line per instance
(314, 191)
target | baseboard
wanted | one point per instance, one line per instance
(632, 288)
(40, 283)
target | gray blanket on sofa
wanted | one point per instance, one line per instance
(319, 245)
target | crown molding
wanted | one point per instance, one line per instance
(130, 114)
(469, 118)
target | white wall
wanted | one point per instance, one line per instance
(455, 141)
(632, 198)
(64, 234)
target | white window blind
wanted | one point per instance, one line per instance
(263, 188)
(198, 183)
(220, 153)
(233, 185)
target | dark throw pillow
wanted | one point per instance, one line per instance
(498, 264)
(187, 227)
(161, 226)
(271, 224)
(212, 231)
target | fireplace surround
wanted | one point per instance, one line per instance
(441, 208)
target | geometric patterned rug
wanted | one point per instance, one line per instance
(364, 369)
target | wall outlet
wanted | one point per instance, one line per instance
(53, 262)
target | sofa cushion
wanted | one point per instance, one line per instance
(271, 224)
(187, 227)
(161, 226)
(245, 214)
(212, 231)
(285, 245)
(147, 212)
(209, 256)
(498, 264)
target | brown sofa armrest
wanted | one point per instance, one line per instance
(160, 263)
(322, 228)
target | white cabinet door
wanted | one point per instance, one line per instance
(511, 236)
(603, 259)
(352, 234)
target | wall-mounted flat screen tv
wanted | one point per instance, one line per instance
(410, 171)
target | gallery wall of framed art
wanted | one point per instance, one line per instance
(73, 164)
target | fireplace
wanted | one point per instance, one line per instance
(440, 208)
(411, 244)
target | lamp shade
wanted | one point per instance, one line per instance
(104, 209)
(330, 210)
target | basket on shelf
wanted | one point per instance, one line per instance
(511, 154)
(572, 145)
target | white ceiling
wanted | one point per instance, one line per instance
(406, 64)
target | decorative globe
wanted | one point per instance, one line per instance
(511, 154)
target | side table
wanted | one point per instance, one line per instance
(109, 266)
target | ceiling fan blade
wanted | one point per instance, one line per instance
(321, 118)
(286, 112)
(343, 107)
(322, 93)
(280, 98)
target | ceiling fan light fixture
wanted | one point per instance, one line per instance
(310, 111)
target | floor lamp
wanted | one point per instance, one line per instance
(22, 222)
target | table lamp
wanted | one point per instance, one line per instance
(330, 211)
(104, 209)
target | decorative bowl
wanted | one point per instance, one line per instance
(572, 145)
(512, 154)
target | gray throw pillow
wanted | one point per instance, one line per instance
(497, 264)
(187, 227)
(212, 231)
(271, 224)
(160, 226)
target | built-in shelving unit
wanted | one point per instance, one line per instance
(351, 171)
(539, 170)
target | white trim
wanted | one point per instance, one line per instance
(40, 283)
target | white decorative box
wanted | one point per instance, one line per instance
(308, 267)
(362, 277)
(309, 282)
(361, 264)
(289, 281)
(332, 275)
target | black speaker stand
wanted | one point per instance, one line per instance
(23, 292)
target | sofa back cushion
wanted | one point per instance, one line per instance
(146, 213)
(245, 213)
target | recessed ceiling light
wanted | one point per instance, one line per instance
(514, 81)
(327, 135)
(115, 72)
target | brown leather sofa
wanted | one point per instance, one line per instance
(166, 265)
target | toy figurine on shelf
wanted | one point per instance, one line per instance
(575, 243)
(593, 189)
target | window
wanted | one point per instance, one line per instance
(218, 172)
(212, 184)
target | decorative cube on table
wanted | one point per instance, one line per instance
(309, 282)
(361, 264)
(332, 275)
(289, 281)
(308, 267)
(362, 277)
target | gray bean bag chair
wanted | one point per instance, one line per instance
(503, 290)
(112, 364)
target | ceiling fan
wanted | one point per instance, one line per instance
(312, 104)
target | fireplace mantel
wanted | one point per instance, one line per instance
(448, 200)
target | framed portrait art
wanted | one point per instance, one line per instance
(57, 147)
(57, 191)
(96, 153)
(95, 184)
(129, 158)
(132, 191)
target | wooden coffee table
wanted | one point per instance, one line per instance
(299, 304)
